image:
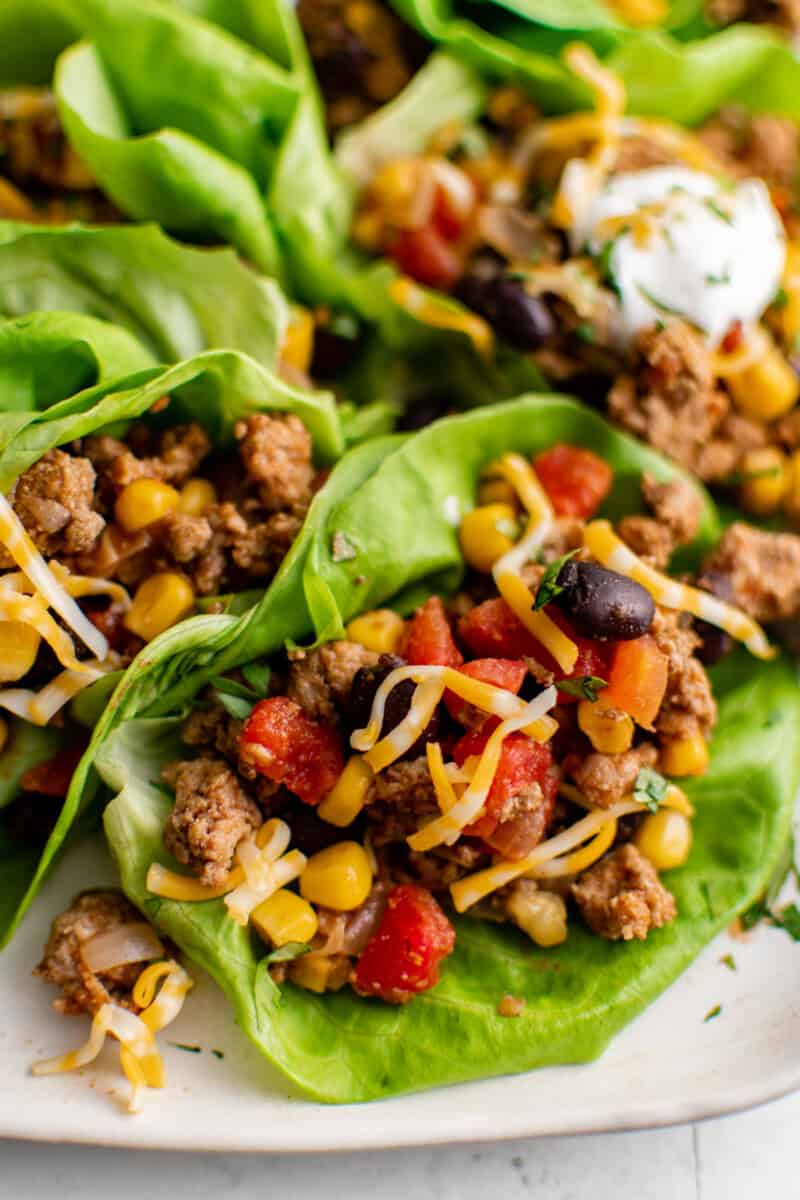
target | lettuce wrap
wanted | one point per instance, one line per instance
(68, 376)
(393, 503)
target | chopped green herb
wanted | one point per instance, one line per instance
(725, 277)
(217, 1054)
(716, 208)
(287, 952)
(789, 919)
(603, 261)
(650, 788)
(548, 589)
(660, 326)
(781, 298)
(656, 303)
(729, 961)
(586, 333)
(712, 1014)
(666, 233)
(754, 915)
(258, 676)
(585, 688)
(188, 1049)
(342, 549)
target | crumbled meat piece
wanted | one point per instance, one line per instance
(675, 503)
(640, 153)
(605, 778)
(764, 570)
(764, 146)
(320, 680)
(688, 707)
(276, 452)
(53, 499)
(257, 549)
(622, 897)
(212, 814)
(213, 728)
(185, 537)
(439, 868)
(648, 538)
(677, 407)
(83, 990)
(399, 797)
(180, 452)
(787, 430)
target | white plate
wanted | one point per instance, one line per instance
(668, 1066)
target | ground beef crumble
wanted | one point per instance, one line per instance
(622, 898)
(605, 778)
(764, 570)
(82, 990)
(54, 501)
(212, 814)
(320, 680)
(688, 707)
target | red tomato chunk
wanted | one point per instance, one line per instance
(429, 639)
(499, 672)
(576, 480)
(403, 957)
(523, 762)
(288, 747)
(53, 776)
(427, 257)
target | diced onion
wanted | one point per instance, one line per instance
(133, 943)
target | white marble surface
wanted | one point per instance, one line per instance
(736, 1158)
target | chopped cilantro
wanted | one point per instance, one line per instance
(712, 1013)
(288, 951)
(729, 961)
(548, 589)
(656, 303)
(585, 688)
(650, 788)
(217, 1054)
(789, 919)
(754, 915)
(188, 1049)
(724, 277)
(586, 333)
(713, 205)
(666, 233)
(781, 298)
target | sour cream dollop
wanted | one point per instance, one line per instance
(680, 242)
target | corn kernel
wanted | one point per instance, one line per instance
(346, 799)
(284, 917)
(498, 491)
(542, 915)
(685, 756)
(19, 645)
(4, 734)
(394, 189)
(196, 497)
(768, 388)
(298, 341)
(143, 502)
(319, 974)
(790, 313)
(765, 480)
(486, 534)
(368, 229)
(791, 499)
(339, 877)
(379, 630)
(665, 838)
(160, 602)
(609, 730)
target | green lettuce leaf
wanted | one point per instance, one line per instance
(178, 301)
(397, 510)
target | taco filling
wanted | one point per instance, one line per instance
(641, 265)
(508, 753)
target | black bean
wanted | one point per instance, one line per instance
(31, 817)
(603, 604)
(424, 410)
(716, 643)
(362, 693)
(522, 320)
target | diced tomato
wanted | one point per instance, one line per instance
(429, 639)
(733, 338)
(284, 744)
(403, 957)
(493, 629)
(110, 621)
(500, 672)
(523, 762)
(448, 218)
(427, 257)
(53, 777)
(576, 480)
(637, 680)
(515, 838)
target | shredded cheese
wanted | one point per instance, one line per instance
(607, 548)
(442, 781)
(578, 860)
(267, 867)
(19, 545)
(426, 697)
(426, 307)
(40, 707)
(447, 828)
(161, 881)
